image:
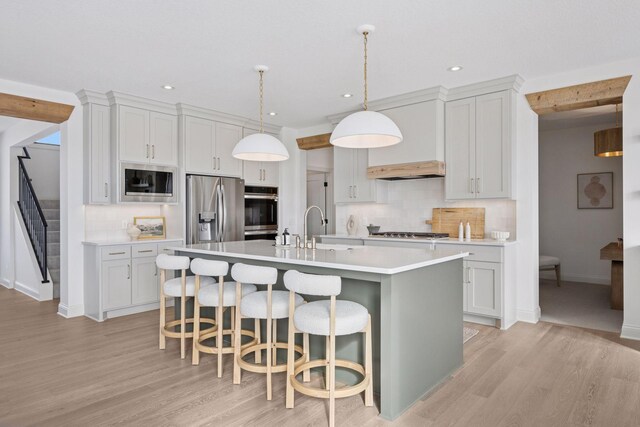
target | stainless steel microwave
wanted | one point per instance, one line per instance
(142, 183)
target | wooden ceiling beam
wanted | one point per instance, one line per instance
(314, 142)
(34, 109)
(603, 92)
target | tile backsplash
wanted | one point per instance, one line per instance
(411, 202)
(105, 223)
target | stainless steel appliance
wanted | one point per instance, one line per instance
(147, 183)
(260, 213)
(214, 209)
(409, 235)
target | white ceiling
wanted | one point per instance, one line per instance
(207, 49)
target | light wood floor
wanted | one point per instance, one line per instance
(76, 372)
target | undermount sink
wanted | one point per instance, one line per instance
(328, 247)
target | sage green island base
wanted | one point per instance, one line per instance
(414, 297)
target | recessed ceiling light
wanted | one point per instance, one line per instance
(347, 95)
(168, 87)
(273, 113)
(454, 68)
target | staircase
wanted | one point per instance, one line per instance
(51, 210)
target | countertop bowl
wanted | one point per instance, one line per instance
(373, 228)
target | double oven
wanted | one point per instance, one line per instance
(260, 213)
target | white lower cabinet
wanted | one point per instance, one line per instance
(122, 279)
(483, 286)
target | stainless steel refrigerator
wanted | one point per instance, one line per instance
(215, 209)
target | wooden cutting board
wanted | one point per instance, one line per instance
(447, 220)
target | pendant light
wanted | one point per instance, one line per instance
(366, 129)
(608, 142)
(260, 147)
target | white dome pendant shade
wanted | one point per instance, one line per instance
(260, 147)
(366, 129)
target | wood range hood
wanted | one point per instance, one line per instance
(428, 169)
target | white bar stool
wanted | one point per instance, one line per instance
(179, 287)
(270, 305)
(330, 318)
(210, 296)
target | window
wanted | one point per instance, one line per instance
(53, 139)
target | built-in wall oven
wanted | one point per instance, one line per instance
(142, 183)
(260, 213)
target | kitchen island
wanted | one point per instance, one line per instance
(414, 297)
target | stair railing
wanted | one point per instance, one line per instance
(32, 215)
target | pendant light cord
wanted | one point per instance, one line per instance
(366, 94)
(261, 99)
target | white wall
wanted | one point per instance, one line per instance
(320, 159)
(528, 177)
(109, 222)
(71, 194)
(44, 170)
(411, 203)
(576, 235)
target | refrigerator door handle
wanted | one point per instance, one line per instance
(218, 214)
(224, 211)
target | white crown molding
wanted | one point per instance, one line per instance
(218, 116)
(87, 96)
(513, 82)
(139, 102)
(423, 95)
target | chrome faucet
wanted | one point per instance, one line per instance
(305, 221)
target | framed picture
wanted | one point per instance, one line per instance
(595, 190)
(151, 227)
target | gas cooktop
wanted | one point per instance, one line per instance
(409, 235)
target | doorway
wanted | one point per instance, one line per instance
(320, 191)
(580, 213)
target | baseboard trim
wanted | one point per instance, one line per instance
(24, 289)
(630, 332)
(6, 283)
(72, 311)
(481, 320)
(596, 280)
(529, 316)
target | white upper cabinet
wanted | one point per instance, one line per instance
(147, 136)
(208, 147)
(264, 174)
(163, 136)
(199, 145)
(351, 184)
(227, 136)
(479, 144)
(98, 153)
(422, 127)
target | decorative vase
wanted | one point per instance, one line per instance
(133, 232)
(352, 225)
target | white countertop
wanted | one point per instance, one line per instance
(126, 242)
(370, 259)
(447, 241)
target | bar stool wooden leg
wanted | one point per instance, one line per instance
(274, 337)
(269, 341)
(163, 310)
(258, 330)
(233, 324)
(332, 382)
(368, 365)
(237, 374)
(183, 316)
(306, 374)
(327, 354)
(195, 353)
(290, 402)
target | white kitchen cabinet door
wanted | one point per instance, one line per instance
(343, 164)
(133, 134)
(226, 137)
(199, 145)
(260, 173)
(484, 287)
(460, 145)
(144, 283)
(422, 127)
(99, 142)
(493, 145)
(364, 189)
(116, 283)
(270, 173)
(163, 137)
